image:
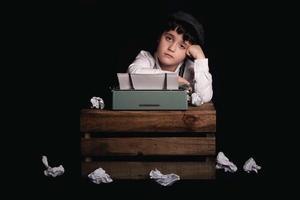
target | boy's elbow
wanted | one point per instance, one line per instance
(207, 97)
(134, 69)
(131, 70)
(206, 93)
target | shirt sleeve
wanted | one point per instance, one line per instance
(144, 64)
(202, 80)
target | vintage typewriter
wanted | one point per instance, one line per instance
(149, 92)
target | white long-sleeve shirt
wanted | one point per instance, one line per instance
(196, 72)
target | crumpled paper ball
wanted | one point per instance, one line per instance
(99, 176)
(250, 165)
(97, 102)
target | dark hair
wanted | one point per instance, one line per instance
(186, 24)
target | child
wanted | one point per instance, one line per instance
(179, 50)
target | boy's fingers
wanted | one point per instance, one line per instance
(188, 53)
(183, 81)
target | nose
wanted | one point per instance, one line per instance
(172, 47)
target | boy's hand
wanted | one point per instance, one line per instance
(182, 81)
(195, 52)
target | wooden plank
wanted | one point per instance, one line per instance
(141, 170)
(195, 119)
(148, 146)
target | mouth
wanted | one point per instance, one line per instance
(168, 55)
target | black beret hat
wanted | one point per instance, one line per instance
(189, 19)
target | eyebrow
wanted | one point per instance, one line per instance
(185, 42)
(170, 34)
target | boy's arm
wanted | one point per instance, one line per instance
(202, 77)
(202, 80)
(144, 64)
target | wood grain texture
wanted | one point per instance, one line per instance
(195, 119)
(192, 146)
(141, 170)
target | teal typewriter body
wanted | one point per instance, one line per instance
(149, 100)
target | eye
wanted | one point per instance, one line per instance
(182, 46)
(168, 38)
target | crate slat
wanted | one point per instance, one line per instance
(148, 146)
(195, 119)
(141, 170)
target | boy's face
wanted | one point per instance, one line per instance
(171, 49)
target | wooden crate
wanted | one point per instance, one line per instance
(129, 144)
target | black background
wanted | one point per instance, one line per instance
(76, 51)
